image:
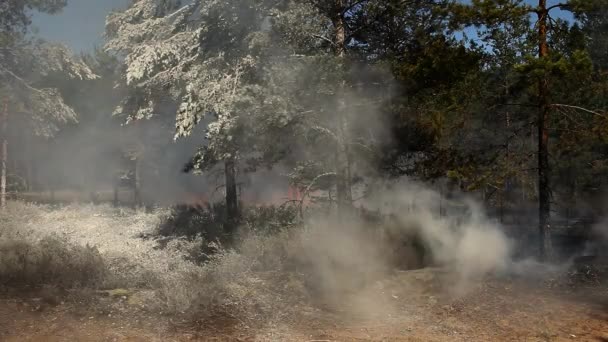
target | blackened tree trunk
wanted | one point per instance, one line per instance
(544, 186)
(232, 208)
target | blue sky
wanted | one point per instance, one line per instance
(81, 24)
(555, 13)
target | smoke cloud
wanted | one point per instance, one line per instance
(458, 234)
(348, 260)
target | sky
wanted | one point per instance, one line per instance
(81, 24)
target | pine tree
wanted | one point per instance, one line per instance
(203, 59)
(335, 103)
(26, 65)
(541, 67)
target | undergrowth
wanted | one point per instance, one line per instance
(276, 265)
(101, 247)
(50, 260)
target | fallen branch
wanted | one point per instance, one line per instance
(580, 108)
(306, 192)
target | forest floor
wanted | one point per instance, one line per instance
(410, 306)
(155, 285)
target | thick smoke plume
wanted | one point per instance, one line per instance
(457, 234)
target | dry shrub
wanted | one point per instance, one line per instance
(51, 260)
(268, 274)
(192, 221)
(57, 239)
(208, 221)
(31, 255)
(249, 285)
(268, 277)
(77, 245)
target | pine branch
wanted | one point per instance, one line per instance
(353, 5)
(21, 80)
(560, 6)
(327, 131)
(323, 38)
(579, 108)
(309, 187)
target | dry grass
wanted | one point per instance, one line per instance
(323, 271)
(50, 260)
(101, 247)
(269, 275)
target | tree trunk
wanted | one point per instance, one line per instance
(344, 194)
(115, 192)
(27, 162)
(505, 195)
(137, 183)
(4, 156)
(232, 208)
(544, 186)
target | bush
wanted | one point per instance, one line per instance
(270, 219)
(208, 221)
(51, 260)
(189, 221)
(275, 265)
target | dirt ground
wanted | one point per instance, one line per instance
(411, 306)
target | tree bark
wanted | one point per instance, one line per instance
(344, 194)
(544, 186)
(232, 208)
(4, 155)
(505, 195)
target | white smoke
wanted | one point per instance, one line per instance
(458, 234)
